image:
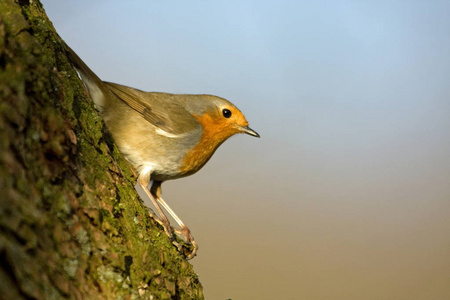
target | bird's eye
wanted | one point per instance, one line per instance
(226, 113)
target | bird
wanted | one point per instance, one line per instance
(164, 136)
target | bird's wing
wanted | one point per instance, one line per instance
(157, 108)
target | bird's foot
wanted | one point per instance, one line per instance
(185, 243)
(188, 249)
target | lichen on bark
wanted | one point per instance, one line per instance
(71, 224)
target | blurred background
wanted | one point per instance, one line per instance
(347, 193)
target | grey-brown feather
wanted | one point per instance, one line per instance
(160, 109)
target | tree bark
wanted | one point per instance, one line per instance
(72, 225)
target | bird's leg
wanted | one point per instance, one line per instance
(156, 192)
(144, 181)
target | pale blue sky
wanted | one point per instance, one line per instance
(352, 101)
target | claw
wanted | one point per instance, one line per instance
(191, 247)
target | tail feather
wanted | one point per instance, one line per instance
(95, 86)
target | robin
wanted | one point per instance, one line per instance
(164, 136)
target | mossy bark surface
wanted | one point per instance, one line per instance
(71, 223)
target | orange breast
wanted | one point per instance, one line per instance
(215, 132)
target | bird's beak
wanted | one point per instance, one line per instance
(249, 131)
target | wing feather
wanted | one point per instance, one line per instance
(160, 109)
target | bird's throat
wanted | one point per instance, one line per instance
(213, 135)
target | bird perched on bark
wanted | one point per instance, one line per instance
(164, 136)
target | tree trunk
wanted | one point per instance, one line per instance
(72, 225)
